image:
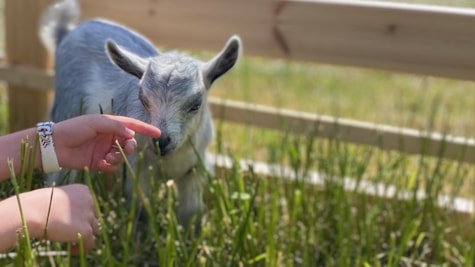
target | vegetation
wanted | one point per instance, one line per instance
(258, 220)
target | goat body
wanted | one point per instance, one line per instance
(103, 66)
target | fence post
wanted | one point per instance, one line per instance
(26, 105)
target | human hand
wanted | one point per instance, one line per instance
(72, 212)
(89, 140)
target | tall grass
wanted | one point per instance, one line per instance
(257, 220)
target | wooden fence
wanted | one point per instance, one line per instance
(399, 37)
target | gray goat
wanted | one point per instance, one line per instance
(97, 61)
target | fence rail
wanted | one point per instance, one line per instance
(420, 39)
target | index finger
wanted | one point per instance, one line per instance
(137, 126)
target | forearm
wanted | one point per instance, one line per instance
(10, 150)
(57, 214)
(11, 224)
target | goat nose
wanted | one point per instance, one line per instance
(163, 141)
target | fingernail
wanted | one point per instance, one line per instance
(133, 144)
(130, 146)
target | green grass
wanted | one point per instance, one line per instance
(418, 102)
(368, 95)
(255, 220)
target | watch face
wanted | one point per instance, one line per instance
(45, 133)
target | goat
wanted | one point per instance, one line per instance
(97, 61)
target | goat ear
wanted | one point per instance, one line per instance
(127, 61)
(224, 61)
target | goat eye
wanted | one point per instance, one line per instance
(194, 108)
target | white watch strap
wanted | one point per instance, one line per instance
(48, 154)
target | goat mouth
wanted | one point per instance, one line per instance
(161, 152)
